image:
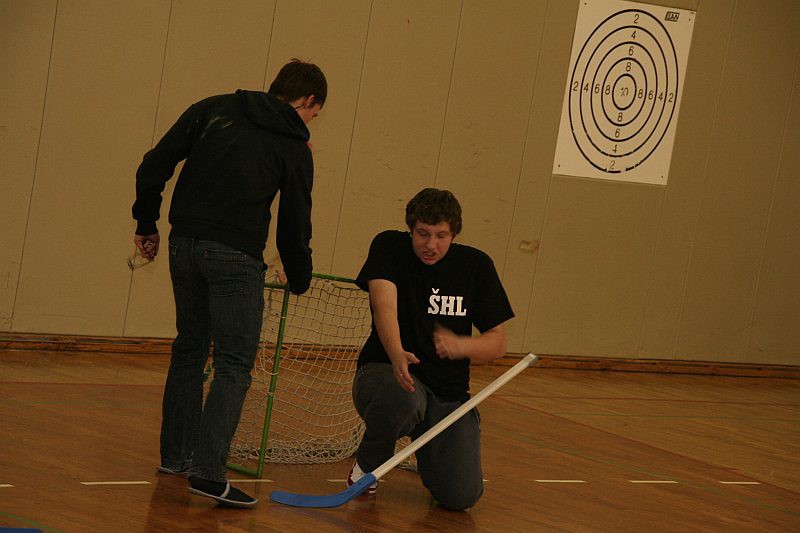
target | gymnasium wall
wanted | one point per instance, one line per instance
(457, 94)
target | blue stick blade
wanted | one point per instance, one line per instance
(330, 500)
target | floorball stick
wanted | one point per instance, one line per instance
(335, 500)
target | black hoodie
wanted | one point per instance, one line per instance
(240, 150)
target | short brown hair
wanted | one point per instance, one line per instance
(432, 206)
(298, 79)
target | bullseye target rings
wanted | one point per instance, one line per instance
(623, 92)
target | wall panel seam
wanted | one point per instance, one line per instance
(693, 242)
(269, 44)
(35, 169)
(757, 282)
(152, 143)
(352, 134)
(509, 244)
(650, 281)
(449, 93)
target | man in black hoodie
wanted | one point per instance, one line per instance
(240, 150)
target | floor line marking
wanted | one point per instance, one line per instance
(740, 482)
(653, 481)
(380, 480)
(6, 486)
(559, 481)
(251, 481)
(115, 483)
(334, 480)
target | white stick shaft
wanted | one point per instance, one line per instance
(423, 439)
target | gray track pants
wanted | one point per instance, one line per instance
(449, 465)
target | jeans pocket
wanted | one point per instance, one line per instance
(227, 271)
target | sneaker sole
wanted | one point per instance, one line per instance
(165, 470)
(369, 492)
(226, 501)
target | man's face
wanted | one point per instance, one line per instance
(431, 241)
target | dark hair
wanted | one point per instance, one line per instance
(432, 206)
(298, 79)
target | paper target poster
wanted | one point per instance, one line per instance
(623, 91)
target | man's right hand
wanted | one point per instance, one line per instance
(400, 362)
(147, 245)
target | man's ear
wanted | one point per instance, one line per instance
(309, 101)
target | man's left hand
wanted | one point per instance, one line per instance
(448, 344)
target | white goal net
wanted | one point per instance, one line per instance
(299, 408)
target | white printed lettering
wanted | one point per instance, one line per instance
(448, 302)
(434, 307)
(459, 310)
(446, 305)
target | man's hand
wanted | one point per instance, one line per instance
(281, 275)
(448, 344)
(400, 362)
(147, 245)
(483, 348)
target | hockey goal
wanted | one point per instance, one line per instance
(299, 408)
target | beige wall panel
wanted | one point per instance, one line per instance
(26, 34)
(742, 170)
(200, 61)
(399, 120)
(213, 47)
(105, 65)
(488, 117)
(334, 39)
(684, 190)
(776, 319)
(591, 280)
(531, 198)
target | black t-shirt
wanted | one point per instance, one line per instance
(459, 291)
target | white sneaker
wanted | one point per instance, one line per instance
(355, 474)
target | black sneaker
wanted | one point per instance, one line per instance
(222, 492)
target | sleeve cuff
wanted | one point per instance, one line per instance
(298, 284)
(146, 228)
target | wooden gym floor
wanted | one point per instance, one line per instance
(563, 450)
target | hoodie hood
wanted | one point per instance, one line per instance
(270, 113)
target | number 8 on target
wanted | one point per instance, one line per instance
(623, 91)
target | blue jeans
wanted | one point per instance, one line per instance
(449, 465)
(219, 297)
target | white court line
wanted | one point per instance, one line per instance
(559, 481)
(115, 482)
(740, 482)
(380, 480)
(344, 480)
(5, 486)
(653, 481)
(251, 480)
